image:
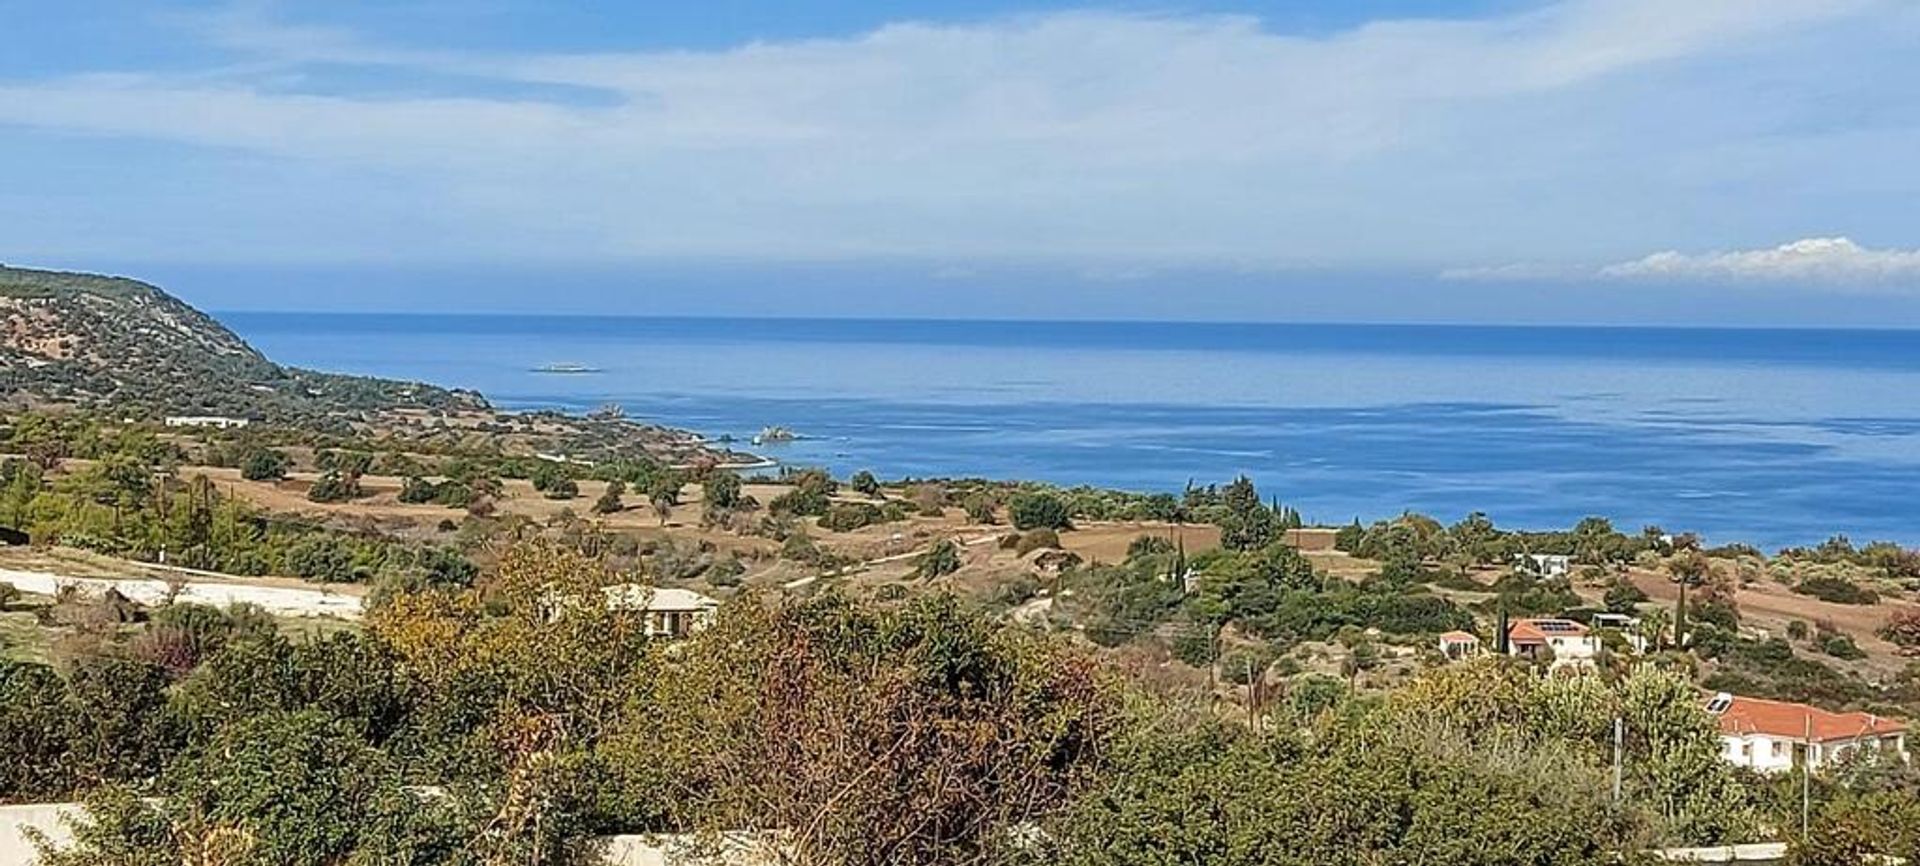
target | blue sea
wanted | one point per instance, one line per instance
(1773, 437)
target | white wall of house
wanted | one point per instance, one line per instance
(1574, 646)
(1758, 752)
(1771, 754)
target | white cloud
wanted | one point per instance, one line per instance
(1832, 261)
(1122, 142)
(1811, 260)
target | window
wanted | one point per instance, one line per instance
(1779, 749)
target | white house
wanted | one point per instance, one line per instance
(671, 612)
(1627, 626)
(216, 421)
(1456, 645)
(1571, 643)
(1776, 736)
(1544, 564)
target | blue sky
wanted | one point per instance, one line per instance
(1631, 161)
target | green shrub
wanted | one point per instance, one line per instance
(609, 501)
(554, 481)
(849, 516)
(1245, 665)
(1623, 597)
(1037, 539)
(1836, 590)
(416, 490)
(454, 493)
(725, 572)
(721, 490)
(264, 464)
(1039, 511)
(810, 496)
(335, 487)
(1841, 647)
(940, 560)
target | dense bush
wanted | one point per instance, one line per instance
(263, 464)
(1836, 590)
(416, 490)
(1903, 627)
(1039, 511)
(1432, 777)
(849, 516)
(609, 501)
(554, 481)
(334, 486)
(1623, 597)
(940, 560)
(1841, 647)
(810, 495)
(721, 490)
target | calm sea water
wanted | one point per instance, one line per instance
(1773, 437)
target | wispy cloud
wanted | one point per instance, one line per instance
(1118, 142)
(1812, 262)
(1517, 272)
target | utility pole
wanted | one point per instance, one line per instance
(1806, 778)
(1619, 743)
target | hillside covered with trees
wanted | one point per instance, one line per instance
(81, 339)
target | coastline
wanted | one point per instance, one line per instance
(1342, 422)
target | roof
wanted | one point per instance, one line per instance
(1792, 721)
(1458, 637)
(1538, 630)
(659, 598)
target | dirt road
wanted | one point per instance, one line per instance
(278, 600)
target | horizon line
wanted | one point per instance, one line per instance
(721, 317)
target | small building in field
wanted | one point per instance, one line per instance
(1627, 626)
(1567, 641)
(218, 422)
(1457, 645)
(671, 612)
(1777, 736)
(1544, 564)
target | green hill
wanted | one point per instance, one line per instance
(87, 340)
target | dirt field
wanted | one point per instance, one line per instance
(1770, 606)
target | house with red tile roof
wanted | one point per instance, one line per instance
(1775, 736)
(1569, 642)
